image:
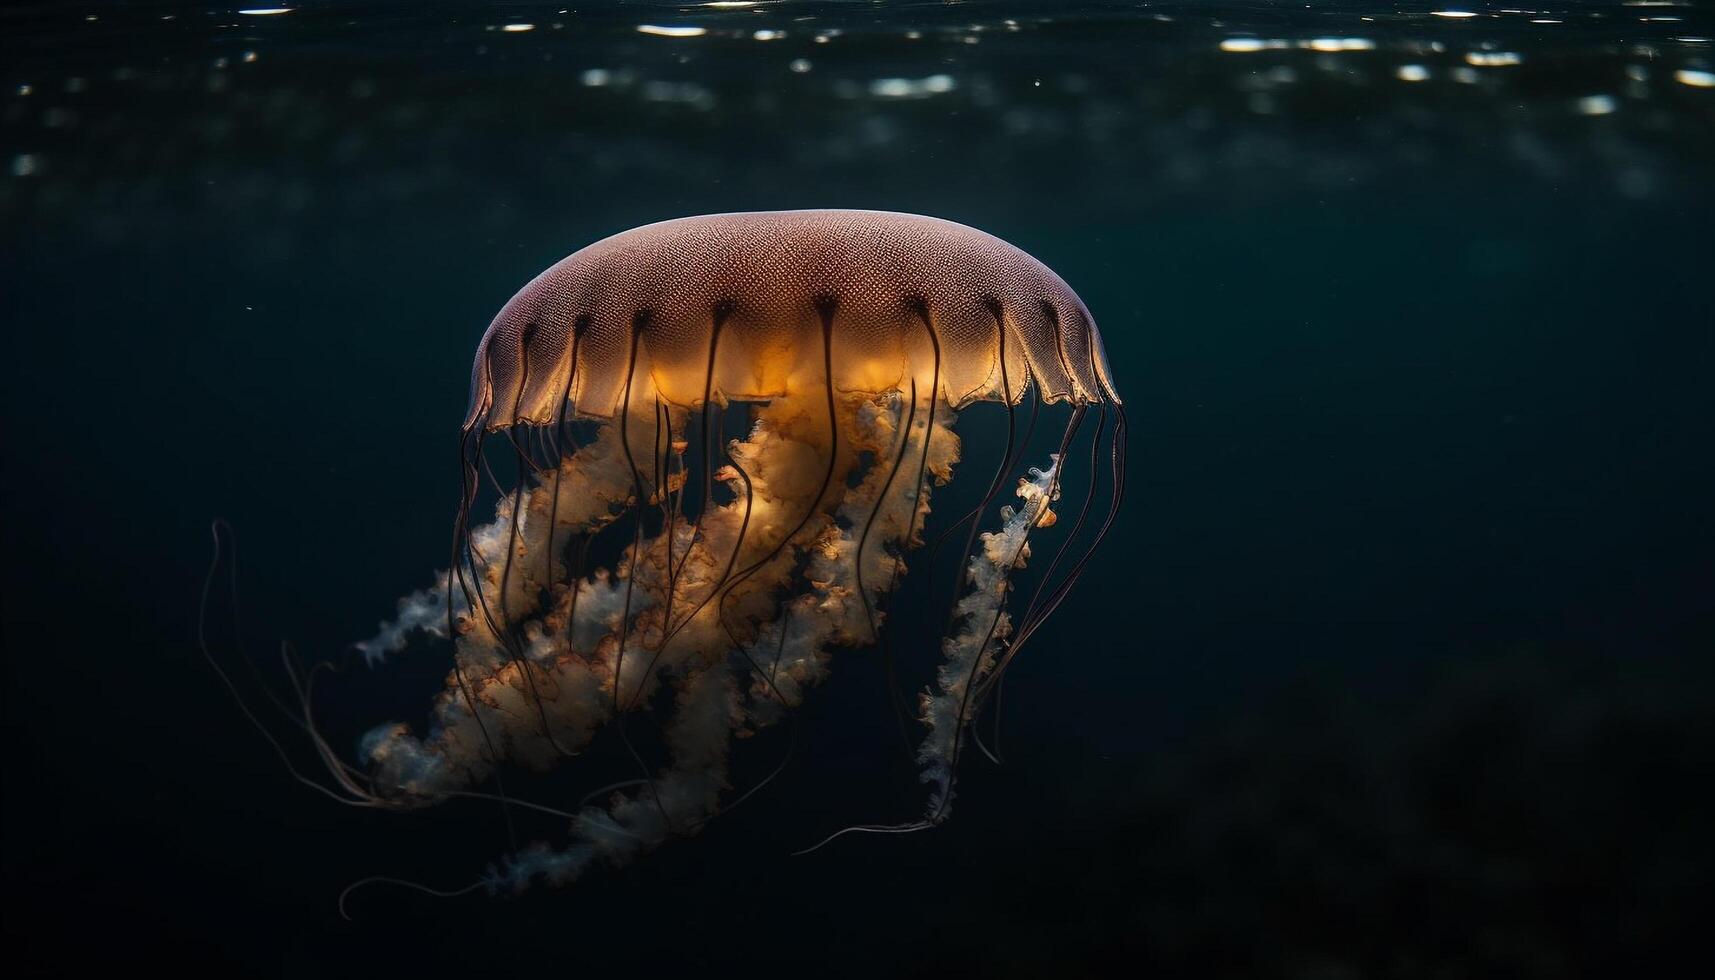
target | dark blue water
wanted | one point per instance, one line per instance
(1397, 663)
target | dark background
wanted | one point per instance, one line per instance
(1397, 663)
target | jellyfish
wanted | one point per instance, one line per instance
(711, 445)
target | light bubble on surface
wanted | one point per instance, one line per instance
(767, 35)
(1493, 59)
(1411, 73)
(660, 30)
(25, 165)
(265, 11)
(1695, 78)
(518, 28)
(911, 88)
(1240, 45)
(1452, 14)
(1597, 105)
(1328, 44)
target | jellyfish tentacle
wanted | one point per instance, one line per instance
(825, 308)
(919, 505)
(641, 563)
(574, 590)
(835, 628)
(1036, 517)
(772, 425)
(472, 437)
(1034, 616)
(1010, 459)
(1117, 458)
(705, 485)
(359, 798)
(487, 470)
(827, 618)
(551, 557)
(638, 321)
(734, 641)
(663, 492)
(579, 325)
(1117, 453)
(1033, 621)
(910, 827)
(1034, 612)
(995, 483)
(429, 767)
(1039, 609)
(720, 583)
(657, 465)
(942, 709)
(671, 630)
(471, 555)
(336, 767)
(699, 738)
(881, 501)
(509, 637)
(345, 895)
(967, 651)
(664, 487)
(469, 495)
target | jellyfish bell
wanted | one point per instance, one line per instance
(641, 554)
(738, 305)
